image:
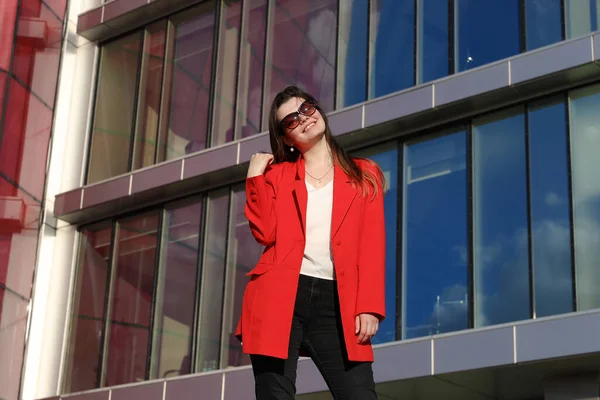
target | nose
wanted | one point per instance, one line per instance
(302, 118)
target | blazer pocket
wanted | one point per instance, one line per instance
(260, 268)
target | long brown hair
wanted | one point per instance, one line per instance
(365, 179)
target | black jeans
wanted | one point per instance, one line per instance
(316, 327)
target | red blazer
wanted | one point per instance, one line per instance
(276, 209)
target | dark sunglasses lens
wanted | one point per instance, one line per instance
(290, 122)
(307, 108)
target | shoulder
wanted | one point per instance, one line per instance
(274, 172)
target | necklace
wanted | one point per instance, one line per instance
(319, 179)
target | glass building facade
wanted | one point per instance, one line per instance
(492, 207)
(31, 34)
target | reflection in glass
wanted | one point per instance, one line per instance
(550, 208)
(581, 17)
(436, 246)
(115, 104)
(213, 281)
(189, 78)
(133, 287)
(432, 30)
(244, 253)
(13, 323)
(177, 291)
(387, 158)
(485, 31)
(252, 64)
(501, 248)
(303, 41)
(226, 74)
(585, 164)
(148, 113)
(392, 46)
(88, 310)
(543, 22)
(353, 52)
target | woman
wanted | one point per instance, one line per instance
(318, 288)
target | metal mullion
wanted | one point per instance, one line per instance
(197, 301)
(451, 37)
(416, 43)
(105, 341)
(136, 99)
(140, 104)
(522, 26)
(471, 227)
(228, 279)
(237, 129)
(165, 94)
(532, 304)
(266, 88)
(371, 36)
(337, 55)
(157, 296)
(563, 20)
(98, 54)
(571, 203)
(368, 49)
(400, 240)
(213, 68)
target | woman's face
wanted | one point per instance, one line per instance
(301, 122)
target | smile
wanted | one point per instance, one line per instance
(309, 126)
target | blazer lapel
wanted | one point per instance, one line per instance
(301, 194)
(343, 196)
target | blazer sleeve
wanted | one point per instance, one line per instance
(371, 255)
(260, 208)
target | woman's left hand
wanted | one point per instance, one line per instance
(366, 327)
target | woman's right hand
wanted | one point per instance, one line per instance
(258, 164)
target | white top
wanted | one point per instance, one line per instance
(317, 260)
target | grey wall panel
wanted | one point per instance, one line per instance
(146, 391)
(97, 395)
(471, 350)
(550, 60)
(558, 337)
(254, 145)
(156, 176)
(106, 191)
(239, 384)
(195, 387)
(210, 160)
(399, 105)
(346, 121)
(403, 360)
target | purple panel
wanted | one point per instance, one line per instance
(399, 105)
(209, 161)
(189, 388)
(346, 121)
(467, 84)
(89, 20)
(100, 395)
(553, 59)
(471, 350)
(239, 384)
(68, 202)
(156, 176)
(148, 391)
(597, 47)
(558, 337)
(106, 191)
(253, 146)
(120, 7)
(402, 360)
(309, 379)
(50, 398)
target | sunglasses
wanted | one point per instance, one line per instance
(291, 121)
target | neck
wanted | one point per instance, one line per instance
(318, 155)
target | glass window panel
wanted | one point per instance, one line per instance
(190, 76)
(88, 310)
(37, 51)
(550, 208)
(226, 75)
(153, 61)
(213, 281)
(251, 70)
(585, 164)
(543, 22)
(435, 283)
(485, 31)
(303, 50)
(392, 46)
(176, 304)
(8, 13)
(115, 104)
(133, 285)
(582, 17)
(13, 323)
(25, 140)
(353, 56)
(387, 158)
(244, 253)
(501, 250)
(432, 56)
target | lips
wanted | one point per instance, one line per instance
(308, 126)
